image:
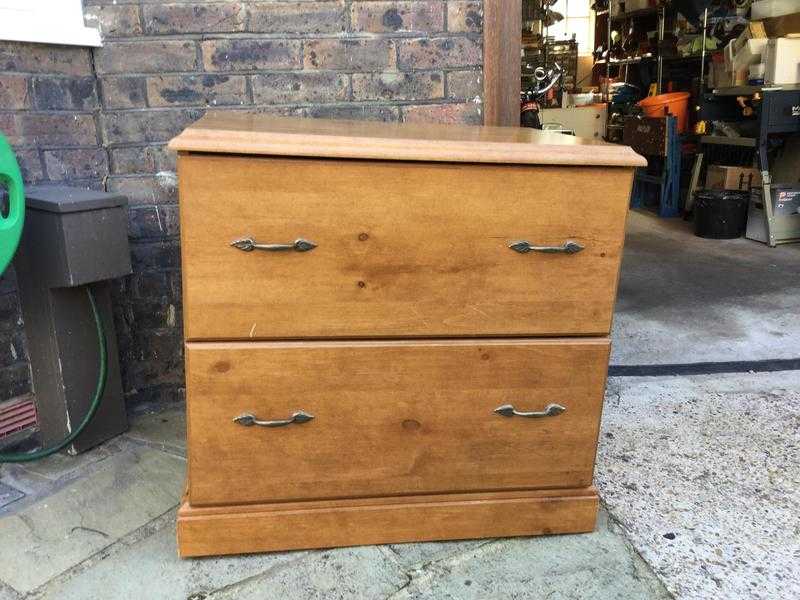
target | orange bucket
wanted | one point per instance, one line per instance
(675, 103)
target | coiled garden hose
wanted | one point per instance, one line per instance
(102, 376)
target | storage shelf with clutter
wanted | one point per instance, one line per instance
(737, 63)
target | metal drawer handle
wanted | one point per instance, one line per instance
(249, 244)
(249, 420)
(523, 247)
(551, 410)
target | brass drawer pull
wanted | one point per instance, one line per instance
(249, 420)
(249, 244)
(523, 247)
(551, 410)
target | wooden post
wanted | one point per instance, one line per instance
(502, 43)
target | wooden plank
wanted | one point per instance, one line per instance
(295, 526)
(245, 133)
(502, 43)
(646, 135)
(403, 249)
(390, 418)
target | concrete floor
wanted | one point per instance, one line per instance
(684, 299)
(698, 475)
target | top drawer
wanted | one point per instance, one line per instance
(401, 249)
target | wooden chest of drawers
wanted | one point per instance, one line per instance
(393, 332)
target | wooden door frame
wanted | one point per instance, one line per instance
(502, 45)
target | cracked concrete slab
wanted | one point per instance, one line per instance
(150, 568)
(32, 487)
(163, 428)
(43, 478)
(599, 565)
(411, 556)
(9, 494)
(127, 491)
(344, 573)
(702, 473)
(62, 465)
(6, 593)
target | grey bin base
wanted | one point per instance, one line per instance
(72, 238)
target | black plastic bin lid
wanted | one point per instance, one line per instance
(65, 199)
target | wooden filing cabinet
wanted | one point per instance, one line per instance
(393, 332)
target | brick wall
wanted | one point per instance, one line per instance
(102, 118)
(48, 112)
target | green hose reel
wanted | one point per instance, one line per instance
(11, 222)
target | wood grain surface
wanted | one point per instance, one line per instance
(502, 45)
(295, 526)
(247, 133)
(390, 418)
(404, 249)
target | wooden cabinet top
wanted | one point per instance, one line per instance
(246, 133)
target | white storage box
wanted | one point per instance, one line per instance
(763, 9)
(749, 52)
(782, 59)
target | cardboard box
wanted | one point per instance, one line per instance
(755, 30)
(720, 177)
(782, 26)
(738, 57)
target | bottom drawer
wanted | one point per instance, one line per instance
(390, 418)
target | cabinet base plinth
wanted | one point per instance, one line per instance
(242, 529)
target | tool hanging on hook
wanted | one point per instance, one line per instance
(531, 99)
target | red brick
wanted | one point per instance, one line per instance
(14, 92)
(398, 86)
(142, 160)
(297, 17)
(123, 92)
(350, 55)
(251, 54)
(145, 189)
(146, 56)
(150, 286)
(381, 17)
(464, 16)
(464, 85)
(197, 90)
(44, 58)
(276, 111)
(153, 221)
(146, 126)
(43, 129)
(30, 164)
(288, 88)
(10, 128)
(64, 93)
(228, 17)
(439, 53)
(114, 20)
(76, 163)
(443, 113)
(354, 111)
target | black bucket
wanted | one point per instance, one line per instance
(720, 214)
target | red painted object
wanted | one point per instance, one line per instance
(17, 415)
